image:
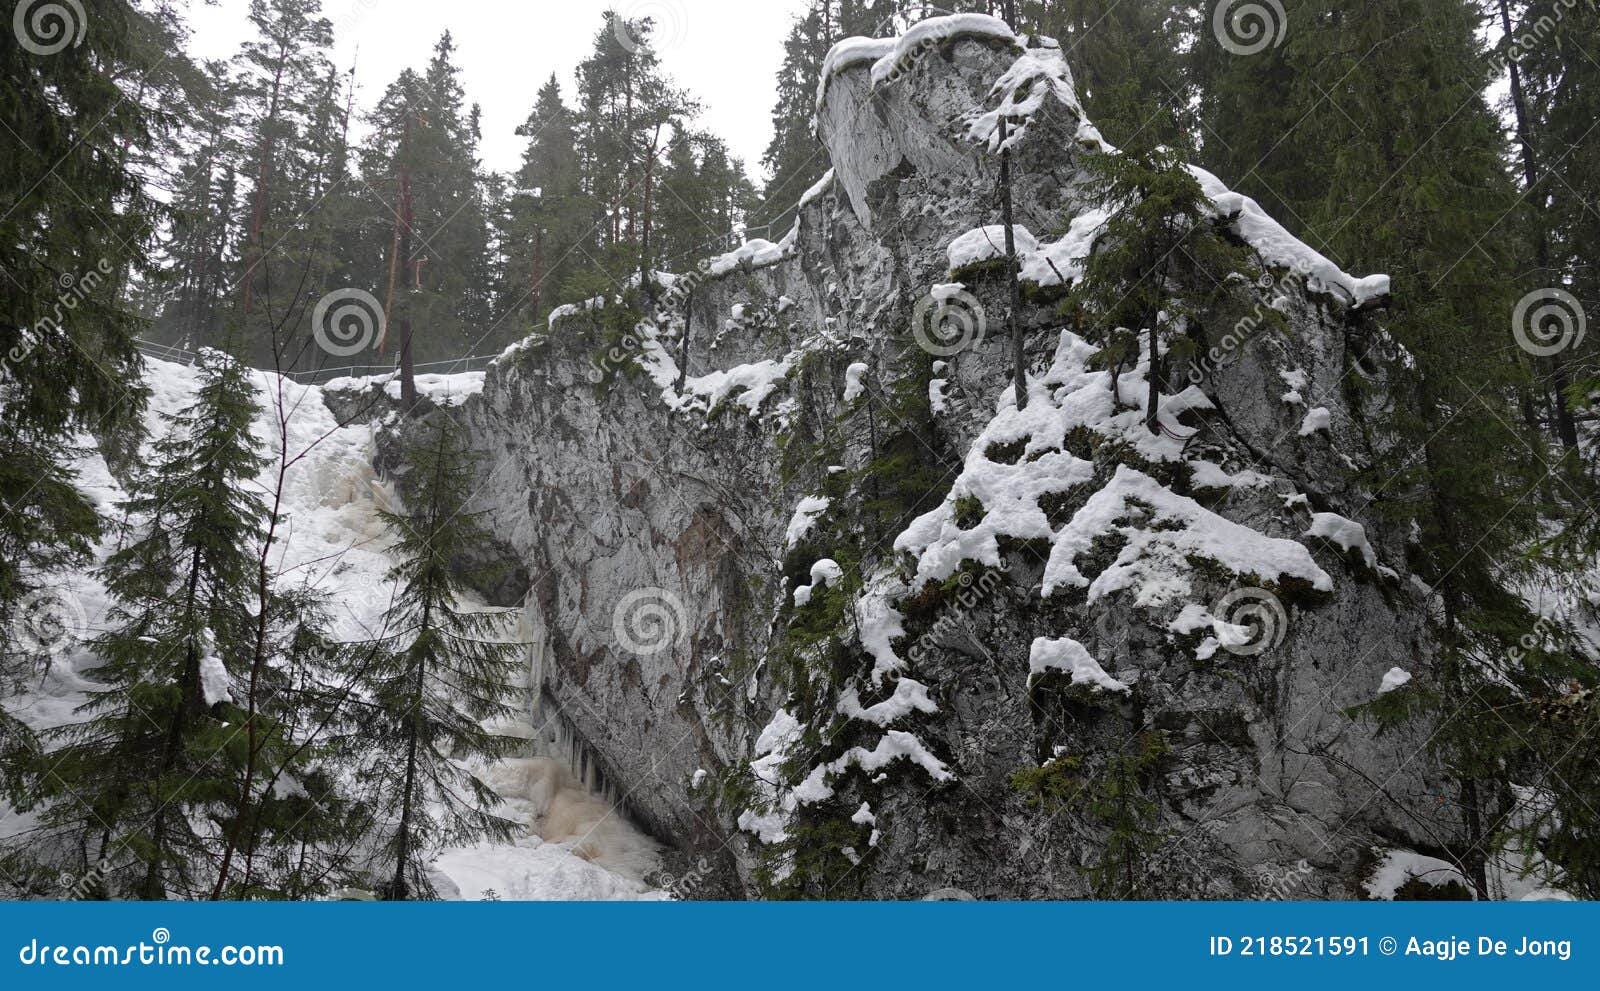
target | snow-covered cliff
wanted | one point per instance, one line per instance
(839, 618)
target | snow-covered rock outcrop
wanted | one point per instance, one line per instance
(986, 588)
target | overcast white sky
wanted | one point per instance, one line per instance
(725, 52)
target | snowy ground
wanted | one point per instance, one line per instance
(576, 847)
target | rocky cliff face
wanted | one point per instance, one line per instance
(1007, 617)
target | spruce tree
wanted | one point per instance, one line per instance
(76, 225)
(1550, 50)
(152, 758)
(705, 196)
(278, 72)
(627, 108)
(1158, 263)
(1376, 143)
(440, 676)
(794, 158)
(205, 225)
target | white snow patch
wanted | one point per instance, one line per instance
(1037, 74)
(753, 254)
(1316, 419)
(1153, 562)
(1277, 246)
(1066, 654)
(1399, 866)
(1211, 476)
(928, 34)
(1058, 262)
(824, 573)
(879, 624)
(443, 389)
(1347, 534)
(853, 377)
(804, 518)
(1295, 379)
(1392, 679)
(214, 680)
(984, 243)
(909, 696)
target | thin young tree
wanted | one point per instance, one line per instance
(1019, 359)
(443, 673)
(1159, 230)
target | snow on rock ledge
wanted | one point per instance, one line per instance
(1070, 656)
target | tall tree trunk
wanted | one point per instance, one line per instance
(1566, 428)
(1019, 360)
(399, 891)
(400, 260)
(538, 274)
(683, 346)
(152, 889)
(646, 275)
(258, 213)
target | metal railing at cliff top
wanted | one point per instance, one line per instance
(318, 376)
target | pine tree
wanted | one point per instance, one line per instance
(705, 197)
(794, 158)
(548, 214)
(627, 108)
(440, 677)
(424, 149)
(280, 72)
(204, 225)
(1554, 95)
